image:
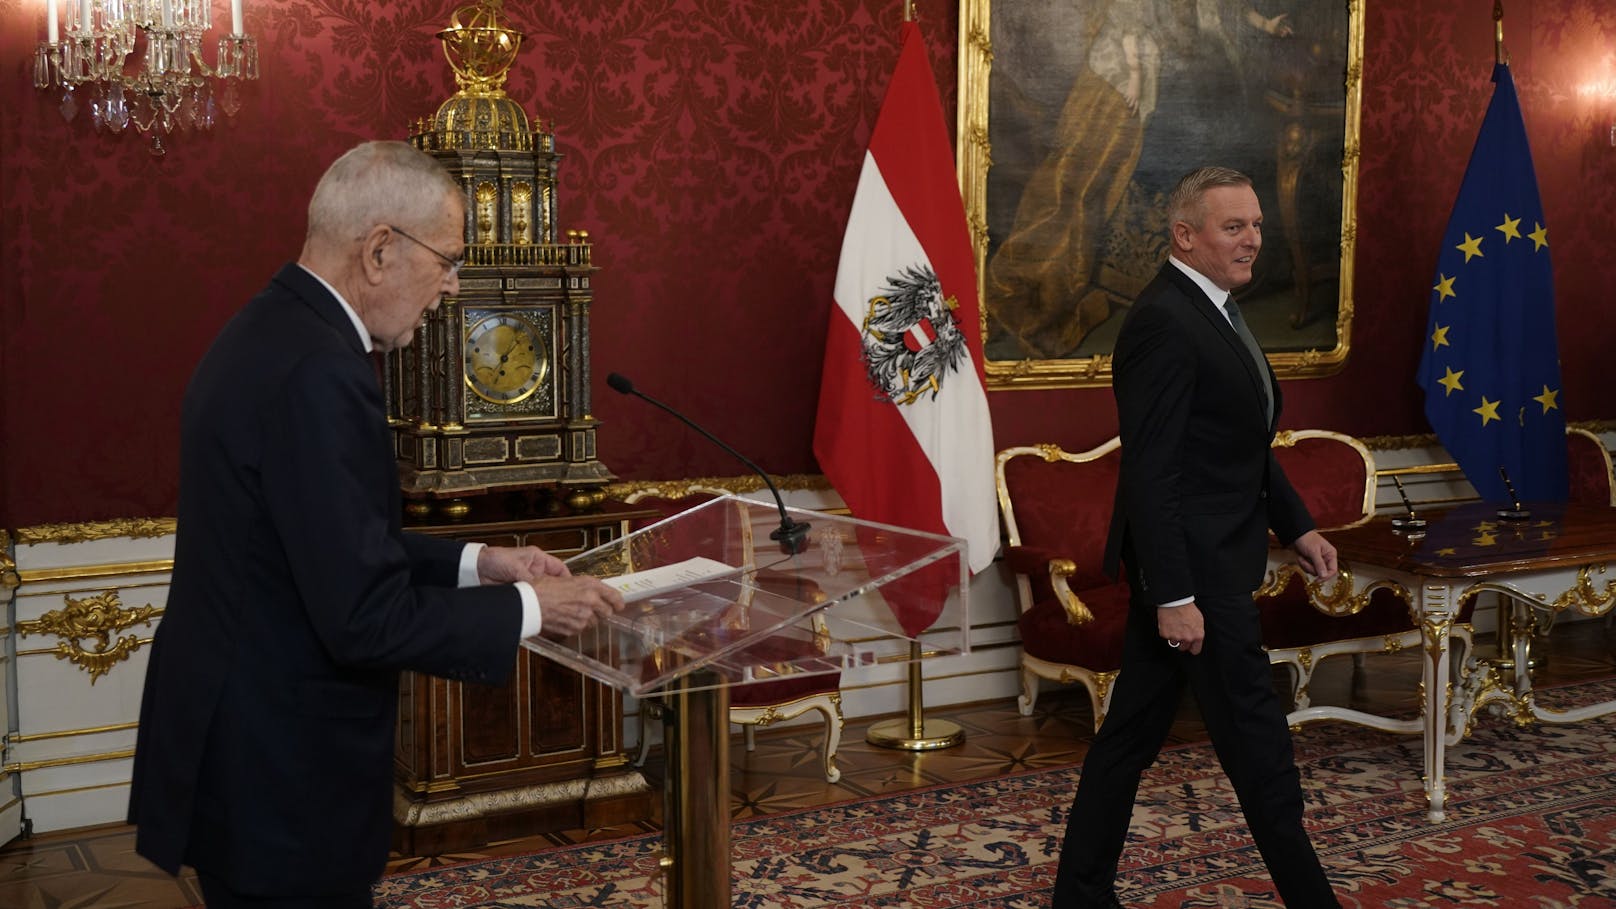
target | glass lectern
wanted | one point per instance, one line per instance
(713, 601)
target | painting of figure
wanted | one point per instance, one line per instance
(1095, 108)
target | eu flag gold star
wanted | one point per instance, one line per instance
(1485, 539)
(1439, 338)
(1444, 287)
(1540, 237)
(1488, 410)
(1451, 381)
(1471, 247)
(1548, 399)
(1511, 228)
(1447, 551)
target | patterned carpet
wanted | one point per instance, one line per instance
(1531, 823)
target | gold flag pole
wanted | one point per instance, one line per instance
(914, 732)
(1498, 32)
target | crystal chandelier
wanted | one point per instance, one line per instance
(139, 63)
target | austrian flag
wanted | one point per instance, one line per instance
(903, 431)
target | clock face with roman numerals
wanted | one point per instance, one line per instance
(507, 359)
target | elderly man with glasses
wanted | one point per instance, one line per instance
(265, 747)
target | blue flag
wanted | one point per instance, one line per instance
(1491, 366)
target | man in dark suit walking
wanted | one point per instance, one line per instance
(1198, 491)
(264, 755)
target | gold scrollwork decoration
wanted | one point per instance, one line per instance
(97, 619)
(135, 528)
(1585, 595)
(8, 565)
(1077, 612)
(1332, 596)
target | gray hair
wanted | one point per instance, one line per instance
(378, 183)
(1187, 202)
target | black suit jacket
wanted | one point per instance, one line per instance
(1199, 486)
(265, 748)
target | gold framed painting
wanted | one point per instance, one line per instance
(1075, 121)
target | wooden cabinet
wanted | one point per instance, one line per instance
(474, 763)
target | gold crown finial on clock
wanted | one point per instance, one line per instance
(480, 48)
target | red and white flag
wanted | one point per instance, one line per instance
(903, 431)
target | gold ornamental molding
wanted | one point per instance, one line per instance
(135, 528)
(75, 760)
(1429, 440)
(96, 619)
(102, 570)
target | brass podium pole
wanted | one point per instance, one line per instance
(695, 736)
(915, 733)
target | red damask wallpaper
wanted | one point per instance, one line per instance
(711, 151)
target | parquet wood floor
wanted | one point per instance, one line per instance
(97, 868)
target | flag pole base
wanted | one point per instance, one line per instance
(915, 732)
(901, 734)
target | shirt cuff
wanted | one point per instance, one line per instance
(1183, 602)
(532, 620)
(468, 565)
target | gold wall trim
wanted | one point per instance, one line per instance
(69, 791)
(136, 528)
(1393, 443)
(94, 618)
(25, 766)
(68, 733)
(797, 482)
(102, 570)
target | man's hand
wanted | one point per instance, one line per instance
(571, 604)
(505, 564)
(1315, 554)
(1182, 624)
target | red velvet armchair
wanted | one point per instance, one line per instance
(1057, 511)
(1335, 476)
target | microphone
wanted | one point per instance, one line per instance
(1516, 513)
(1411, 524)
(791, 535)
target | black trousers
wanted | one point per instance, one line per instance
(218, 895)
(1233, 685)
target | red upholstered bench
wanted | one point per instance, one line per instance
(1057, 512)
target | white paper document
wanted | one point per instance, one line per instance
(641, 584)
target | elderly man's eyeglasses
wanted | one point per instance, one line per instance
(454, 264)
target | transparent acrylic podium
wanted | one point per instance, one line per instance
(714, 602)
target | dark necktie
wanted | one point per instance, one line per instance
(1257, 358)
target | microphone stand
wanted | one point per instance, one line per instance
(791, 535)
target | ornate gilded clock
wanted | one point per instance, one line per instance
(494, 392)
(507, 358)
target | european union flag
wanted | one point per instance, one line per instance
(1491, 368)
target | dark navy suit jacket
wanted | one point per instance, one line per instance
(265, 748)
(1199, 486)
